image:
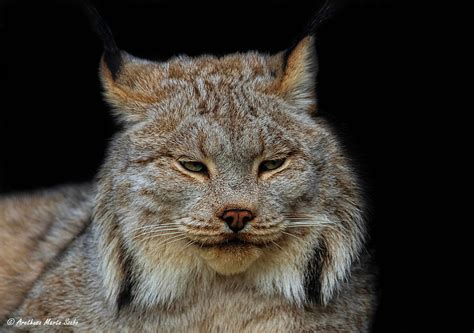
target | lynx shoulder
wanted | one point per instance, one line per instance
(35, 228)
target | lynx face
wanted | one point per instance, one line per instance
(223, 163)
(221, 160)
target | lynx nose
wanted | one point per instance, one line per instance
(236, 219)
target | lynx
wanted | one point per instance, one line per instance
(226, 204)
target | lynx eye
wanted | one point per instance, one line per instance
(271, 165)
(194, 166)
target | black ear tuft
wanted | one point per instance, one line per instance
(325, 12)
(112, 54)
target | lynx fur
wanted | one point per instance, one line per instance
(143, 248)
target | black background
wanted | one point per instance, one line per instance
(54, 126)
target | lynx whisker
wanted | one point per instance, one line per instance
(171, 240)
(155, 226)
(157, 233)
(135, 233)
(161, 235)
(290, 234)
(188, 244)
(314, 224)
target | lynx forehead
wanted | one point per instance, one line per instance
(235, 97)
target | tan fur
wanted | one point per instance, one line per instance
(298, 80)
(155, 257)
(34, 228)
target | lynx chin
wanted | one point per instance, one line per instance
(225, 204)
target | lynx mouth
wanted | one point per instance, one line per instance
(227, 244)
(230, 256)
(235, 241)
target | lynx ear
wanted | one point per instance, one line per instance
(298, 83)
(131, 88)
(122, 75)
(300, 64)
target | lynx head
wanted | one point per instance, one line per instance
(223, 169)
